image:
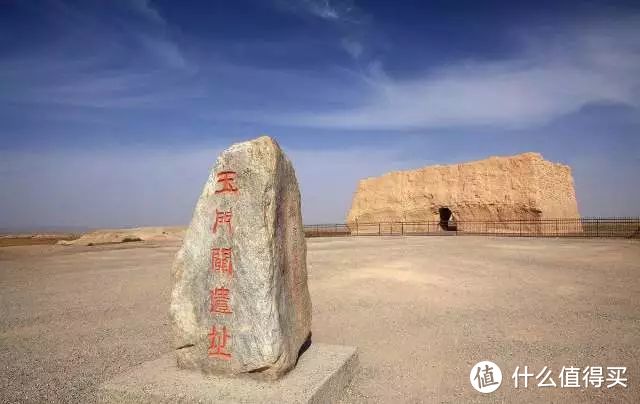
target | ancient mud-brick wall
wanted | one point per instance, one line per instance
(521, 187)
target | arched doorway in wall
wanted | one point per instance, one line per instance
(445, 215)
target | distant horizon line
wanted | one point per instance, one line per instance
(31, 230)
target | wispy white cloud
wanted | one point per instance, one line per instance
(554, 75)
(354, 48)
(164, 50)
(146, 9)
(323, 9)
(331, 10)
(351, 20)
(91, 64)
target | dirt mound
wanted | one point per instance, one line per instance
(109, 236)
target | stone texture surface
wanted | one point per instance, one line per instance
(269, 300)
(523, 186)
(320, 377)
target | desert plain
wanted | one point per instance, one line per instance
(421, 310)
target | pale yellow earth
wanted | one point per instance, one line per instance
(108, 236)
(524, 186)
(421, 310)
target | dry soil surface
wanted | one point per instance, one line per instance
(421, 310)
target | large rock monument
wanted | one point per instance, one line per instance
(240, 302)
(240, 307)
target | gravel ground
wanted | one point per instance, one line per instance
(421, 310)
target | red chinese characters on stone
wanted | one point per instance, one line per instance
(227, 178)
(219, 343)
(221, 260)
(220, 301)
(222, 218)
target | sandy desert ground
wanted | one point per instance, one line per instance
(421, 310)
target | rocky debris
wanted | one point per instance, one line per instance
(128, 235)
(240, 302)
(523, 186)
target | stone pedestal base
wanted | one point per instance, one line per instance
(321, 374)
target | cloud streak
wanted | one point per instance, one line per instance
(93, 65)
(551, 77)
(330, 10)
(351, 21)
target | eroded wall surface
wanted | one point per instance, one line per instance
(523, 186)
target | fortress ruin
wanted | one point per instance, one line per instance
(524, 188)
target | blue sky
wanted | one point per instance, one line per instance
(112, 112)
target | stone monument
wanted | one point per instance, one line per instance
(240, 302)
(240, 307)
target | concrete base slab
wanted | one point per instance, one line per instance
(321, 374)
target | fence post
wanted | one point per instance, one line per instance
(402, 228)
(357, 234)
(379, 229)
(597, 227)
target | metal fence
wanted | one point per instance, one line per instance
(627, 227)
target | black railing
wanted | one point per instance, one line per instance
(628, 227)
